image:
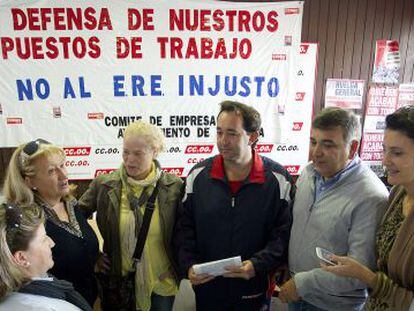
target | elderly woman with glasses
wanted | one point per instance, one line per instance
(37, 175)
(136, 207)
(26, 256)
(393, 283)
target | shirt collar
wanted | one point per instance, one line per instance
(256, 172)
(339, 175)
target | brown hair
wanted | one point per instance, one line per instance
(251, 117)
(402, 120)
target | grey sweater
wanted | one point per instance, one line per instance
(342, 220)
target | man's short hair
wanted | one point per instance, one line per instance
(332, 117)
(251, 117)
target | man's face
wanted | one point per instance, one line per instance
(233, 142)
(329, 151)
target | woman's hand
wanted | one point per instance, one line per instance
(165, 275)
(102, 264)
(349, 267)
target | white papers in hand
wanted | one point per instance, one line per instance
(217, 267)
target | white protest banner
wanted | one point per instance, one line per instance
(295, 132)
(344, 93)
(78, 74)
(382, 101)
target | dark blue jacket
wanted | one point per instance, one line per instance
(75, 257)
(254, 223)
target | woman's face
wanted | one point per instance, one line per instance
(39, 254)
(51, 178)
(399, 158)
(137, 156)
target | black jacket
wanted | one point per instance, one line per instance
(75, 257)
(253, 223)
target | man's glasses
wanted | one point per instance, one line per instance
(13, 215)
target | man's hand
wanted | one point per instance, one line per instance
(200, 278)
(246, 271)
(288, 292)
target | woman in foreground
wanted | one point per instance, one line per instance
(26, 256)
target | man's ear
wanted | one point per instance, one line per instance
(353, 149)
(253, 138)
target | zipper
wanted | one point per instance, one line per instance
(233, 199)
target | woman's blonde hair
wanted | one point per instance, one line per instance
(18, 227)
(151, 133)
(22, 165)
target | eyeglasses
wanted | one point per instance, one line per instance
(30, 149)
(13, 215)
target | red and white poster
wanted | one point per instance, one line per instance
(344, 93)
(406, 95)
(77, 73)
(387, 62)
(382, 101)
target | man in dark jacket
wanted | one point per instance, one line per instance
(235, 204)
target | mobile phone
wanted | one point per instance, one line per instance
(325, 256)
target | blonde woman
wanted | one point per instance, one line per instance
(121, 202)
(37, 175)
(25, 255)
